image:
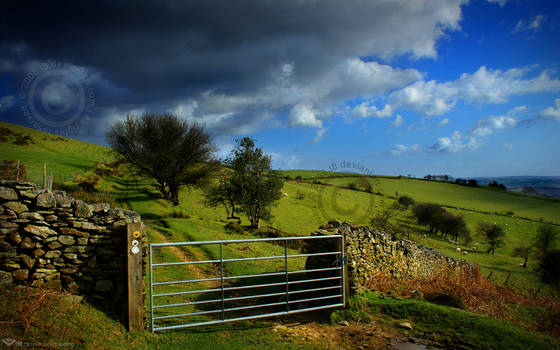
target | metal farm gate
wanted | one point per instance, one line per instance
(228, 289)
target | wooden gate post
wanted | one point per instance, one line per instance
(134, 234)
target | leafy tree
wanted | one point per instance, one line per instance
(223, 194)
(548, 267)
(254, 185)
(424, 213)
(171, 151)
(452, 225)
(523, 251)
(405, 201)
(493, 234)
(545, 240)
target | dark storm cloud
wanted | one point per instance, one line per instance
(231, 61)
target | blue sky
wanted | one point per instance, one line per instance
(441, 87)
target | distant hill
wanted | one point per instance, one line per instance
(543, 185)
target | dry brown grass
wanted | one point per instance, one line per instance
(478, 294)
(30, 313)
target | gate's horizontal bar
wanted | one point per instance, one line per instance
(188, 292)
(168, 244)
(280, 256)
(188, 314)
(155, 329)
(252, 286)
(316, 280)
(186, 263)
(246, 276)
(186, 281)
(239, 308)
(244, 259)
(255, 296)
(314, 299)
(313, 290)
(188, 303)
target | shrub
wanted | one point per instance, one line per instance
(87, 181)
(234, 227)
(268, 232)
(178, 215)
(548, 267)
(93, 197)
(299, 178)
(300, 195)
(352, 186)
(406, 201)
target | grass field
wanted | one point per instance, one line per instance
(306, 205)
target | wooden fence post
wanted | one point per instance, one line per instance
(134, 234)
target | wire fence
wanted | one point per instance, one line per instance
(43, 176)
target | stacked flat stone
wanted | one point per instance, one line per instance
(370, 252)
(51, 239)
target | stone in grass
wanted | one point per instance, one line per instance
(405, 325)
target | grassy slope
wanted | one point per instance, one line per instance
(64, 156)
(306, 206)
(450, 327)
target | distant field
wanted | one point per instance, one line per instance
(479, 199)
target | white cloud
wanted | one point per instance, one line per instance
(507, 145)
(499, 2)
(443, 123)
(533, 24)
(483, 86)
(283, 161)
(6, 102)
(398, 121)
(399, 149)
(364, 111)
(302, 115)
(319, 135)
(552, 112)
(490, 124)
(455, 143)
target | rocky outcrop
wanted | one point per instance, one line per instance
(51, 239)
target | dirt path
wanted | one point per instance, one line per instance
(183, 255)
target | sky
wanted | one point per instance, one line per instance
(465, 88)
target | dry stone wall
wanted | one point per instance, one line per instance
(370, 252)
(51, 239)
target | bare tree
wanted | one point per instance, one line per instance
(171, 151)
